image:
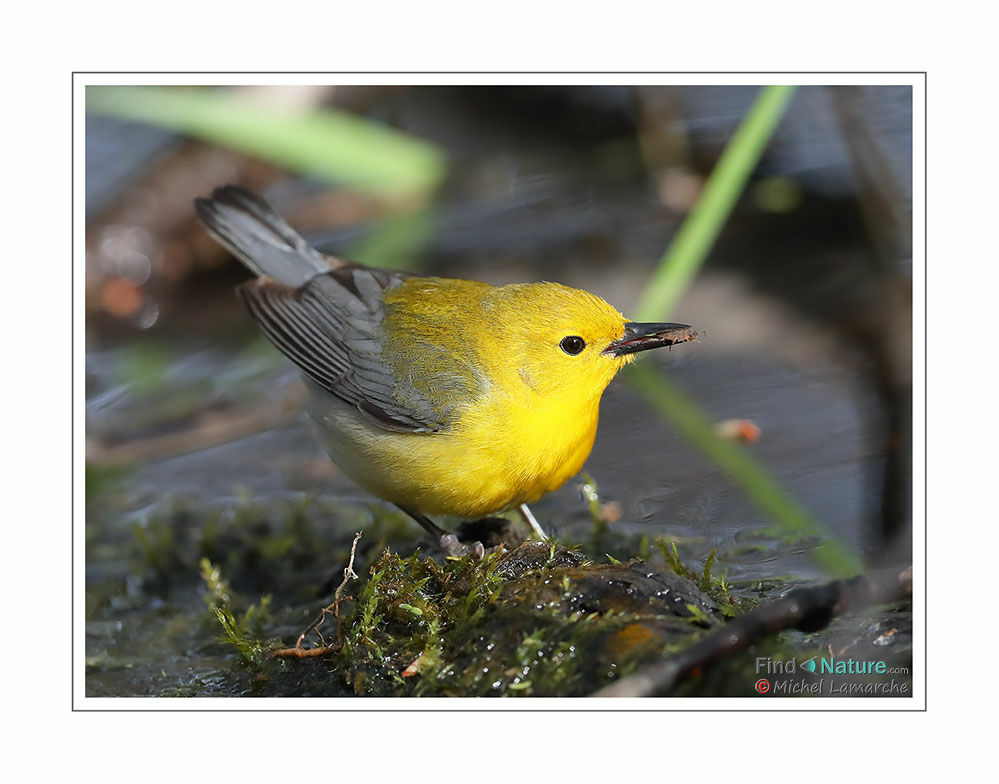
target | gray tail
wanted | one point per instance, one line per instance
(260, 238)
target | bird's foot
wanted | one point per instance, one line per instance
(449, 544)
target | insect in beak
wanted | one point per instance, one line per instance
(642, 337)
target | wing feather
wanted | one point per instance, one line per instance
(330, 328)
(324, 314)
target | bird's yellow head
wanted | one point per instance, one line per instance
(565, 342)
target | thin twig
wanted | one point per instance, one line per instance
(298, 652)
(808, 609)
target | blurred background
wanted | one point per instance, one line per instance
(804, 304)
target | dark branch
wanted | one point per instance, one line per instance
(806, 609)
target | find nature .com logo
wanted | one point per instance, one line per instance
(821, 666)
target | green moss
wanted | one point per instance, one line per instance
(539, 620)
(240, 632)
(542, 618)
(718, 588)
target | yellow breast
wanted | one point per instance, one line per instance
(536, 450)
(502, 453)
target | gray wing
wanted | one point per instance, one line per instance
(331, 329)
(327, 321)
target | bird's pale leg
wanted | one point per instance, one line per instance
(448, 542)
(528, 518)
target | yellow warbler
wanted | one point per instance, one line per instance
(444, 397)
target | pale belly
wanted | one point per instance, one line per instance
(470, 471)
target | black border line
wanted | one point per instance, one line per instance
(429, 709)
(503, 73)
(72, 396)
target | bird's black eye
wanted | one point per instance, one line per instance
(572, 344)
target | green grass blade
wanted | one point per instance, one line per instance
(677, 268)
(701, 228)
(332, 145)
(831, 555)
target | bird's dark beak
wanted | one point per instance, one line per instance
(641, 337)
